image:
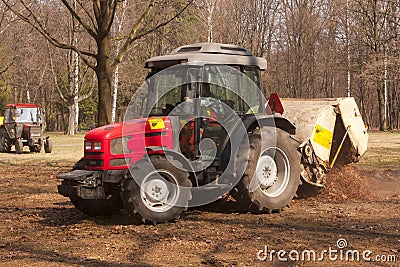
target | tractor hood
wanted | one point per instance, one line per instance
(112, 131)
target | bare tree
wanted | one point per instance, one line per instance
(72, 95)
(373, 16)
(96, 18)
(207, 9)
(5, 23)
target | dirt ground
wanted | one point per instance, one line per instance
(359, 211)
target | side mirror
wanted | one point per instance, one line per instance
(274, 104)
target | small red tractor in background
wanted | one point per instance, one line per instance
(22, 126)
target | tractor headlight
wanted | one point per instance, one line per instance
(88, 145)
(96, 146)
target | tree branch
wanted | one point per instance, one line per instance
(38, 26)
(79, 19)
(87, 13)
(133, 34)
(6, 68)
(113, 6)
(9, 22)
(96, 8)
(89, 94)
(54, 75)
(156, 28)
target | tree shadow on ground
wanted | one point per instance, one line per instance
(65, 216)
(41, 254)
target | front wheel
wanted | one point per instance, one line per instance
(272, 173)
(19, 146)
(48, 146)
(156, 190)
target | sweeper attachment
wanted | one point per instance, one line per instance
(330, 132)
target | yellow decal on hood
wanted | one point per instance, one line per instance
(156, 124)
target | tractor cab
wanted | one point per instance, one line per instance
(204, 89)
(23, 120)
(23, 113)
(228, 74)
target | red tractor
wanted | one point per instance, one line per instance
(22, 126)
(199, 128)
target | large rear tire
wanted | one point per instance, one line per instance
(272, 173)
(160, 191)
(5, 143)
(2, 143)
(98, 207)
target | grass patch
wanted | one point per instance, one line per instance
(66, 151)
(383, 151)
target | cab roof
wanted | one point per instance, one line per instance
(22, 105)
(210, 53)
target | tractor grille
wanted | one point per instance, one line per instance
(35, 131)
(94, 162)
(94, 153)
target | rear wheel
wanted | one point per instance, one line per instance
(5, 143)
(98, 207)
(160, 191)
(272, 174)
(2, 144)
(19, 147)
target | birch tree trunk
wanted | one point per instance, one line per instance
(120, 22)
(348, 50)
(73, 105)
(115, 94)
(210, 9)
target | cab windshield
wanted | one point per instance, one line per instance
(174, 89)
(22, 115)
